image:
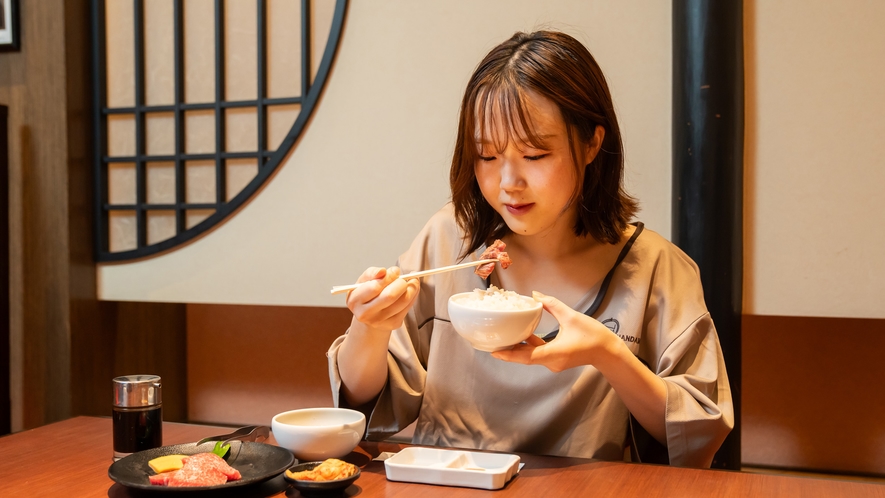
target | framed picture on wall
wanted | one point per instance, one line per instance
(9, 39)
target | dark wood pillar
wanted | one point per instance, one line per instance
(5, 400)
(708, 136)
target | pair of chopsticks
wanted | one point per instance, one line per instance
(339, 289)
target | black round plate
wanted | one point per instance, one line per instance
(256, 462)
(319, 487)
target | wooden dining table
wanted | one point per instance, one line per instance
(71, 458)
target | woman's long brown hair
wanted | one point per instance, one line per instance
(560, 68)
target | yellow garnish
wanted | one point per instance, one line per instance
(166, 463)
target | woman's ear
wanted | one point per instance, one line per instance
(595, 144)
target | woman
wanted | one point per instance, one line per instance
(627, 337)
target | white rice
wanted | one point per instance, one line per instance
(495, 299)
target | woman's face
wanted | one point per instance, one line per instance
(532, 188)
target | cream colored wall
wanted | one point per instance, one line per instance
(814, 158)
(372, 165)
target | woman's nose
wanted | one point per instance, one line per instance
(511, 176)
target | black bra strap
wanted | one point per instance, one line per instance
(603, 289)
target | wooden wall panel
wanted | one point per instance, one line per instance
(93, 366)
(151, 338)
(248, 363)
(32, 83)
(812, 394)
(92, 324)
(130, 338)
(65, 345)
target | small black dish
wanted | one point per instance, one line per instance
(319, 487)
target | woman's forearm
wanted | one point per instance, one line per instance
(362, 363)
(644, 393)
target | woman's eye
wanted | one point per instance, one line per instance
(535, 158)
(486, 158)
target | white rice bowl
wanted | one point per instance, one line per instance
(494, 319)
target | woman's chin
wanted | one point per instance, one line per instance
(520, 228)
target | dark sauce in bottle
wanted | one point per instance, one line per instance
(137, 429)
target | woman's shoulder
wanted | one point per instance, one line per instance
(651, 246)
(443, 220)
(669, 283)
(439, 243)
(442, 228)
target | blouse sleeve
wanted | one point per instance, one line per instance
(699, 404)
(680, 344)
(400, 399)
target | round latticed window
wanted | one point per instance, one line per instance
(197, 103)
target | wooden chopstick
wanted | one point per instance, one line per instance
(339, 289)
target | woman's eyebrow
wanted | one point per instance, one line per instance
(540, 141)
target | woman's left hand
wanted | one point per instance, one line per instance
(582, 340)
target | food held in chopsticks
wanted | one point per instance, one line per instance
(202, 469)
(331, 469)
(494, 251)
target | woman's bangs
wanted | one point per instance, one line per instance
(501, 117)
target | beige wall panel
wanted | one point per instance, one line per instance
(121, 183)
(160, 178)
(241, 129)
(815, 122)
(284, 48)
(159, 133)
(193, 217)
(279, 122)
(159, 53)
(372, 166)
(120, 53)
(160, 225)
(199, 51)
(121, 135)
(238, 173)
(199, 182)
(321, 15)
(199, 131)
(240, 49)
(122, 235)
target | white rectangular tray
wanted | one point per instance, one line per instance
(471, 469)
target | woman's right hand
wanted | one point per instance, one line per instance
(383, 299)
(379, 306)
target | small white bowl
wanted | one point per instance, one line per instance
(319, 433)
(494, 330)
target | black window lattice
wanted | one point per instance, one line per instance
(267, 160)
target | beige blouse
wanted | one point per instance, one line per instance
(464, 398)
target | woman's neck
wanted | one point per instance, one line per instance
(564, 266)
(550, 245)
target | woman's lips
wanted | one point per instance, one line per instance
(518, 209)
